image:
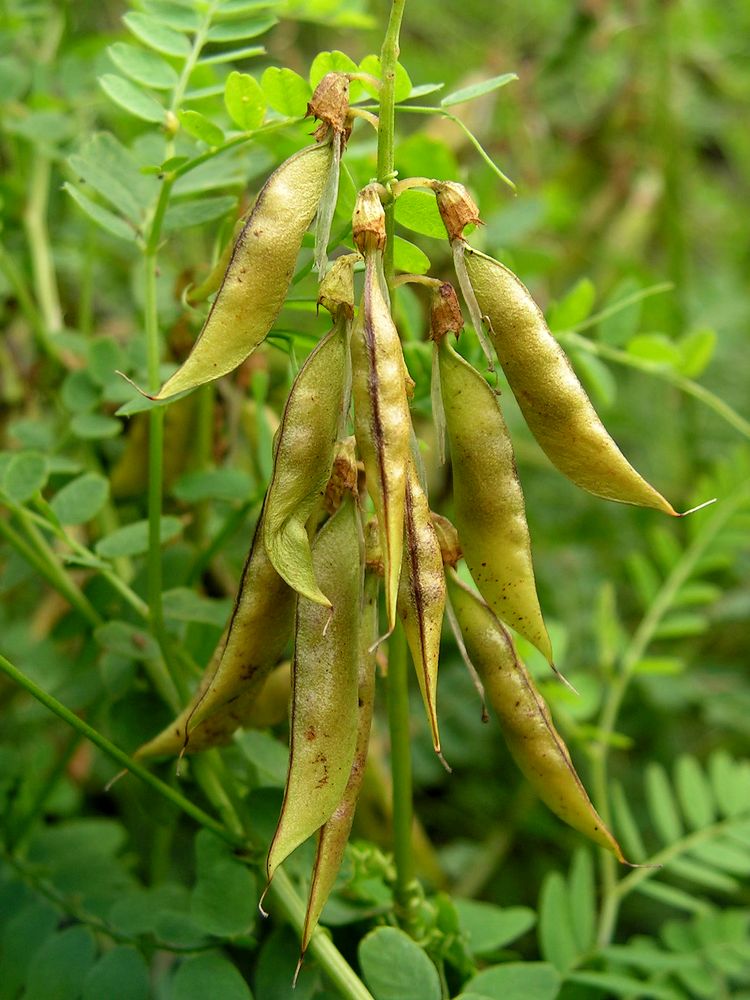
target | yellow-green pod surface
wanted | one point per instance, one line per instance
(534, 743)
(324, 688)
(421, 594)
(382, 421)
(334, 834)
(258, 631)
(303, 459)
(490, 513)
(553, 401)
(260, 269)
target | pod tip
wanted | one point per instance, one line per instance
(443, 761)
(564, 680)
(263, 912)
(700, 506)
(146, 395)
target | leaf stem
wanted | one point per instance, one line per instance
(686, 385)
(618, 687)
(387, 124)
(118, 755)
(37, 234)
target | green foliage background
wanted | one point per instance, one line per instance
(626, 137)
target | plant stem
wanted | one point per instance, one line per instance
(118, 755)
(15, 278)
(45, 561)
(618, 687)
(388, 59)
(686, 385)
(37, 234)
(333, 963)
(398, 723)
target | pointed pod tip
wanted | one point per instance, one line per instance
(263, 912)
(443, 761)
(146, 395)
(298, 969)
(564, 680)
(700, 506)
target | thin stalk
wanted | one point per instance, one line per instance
(37, 235)
(398, 724)
(19, 831)
(118, 755)
(618, 686)
(686, 385)
(38, 552)
(203, 448)
(611, 903)
(15, 278)
(282, 892)
(282, 895)
(387, 124)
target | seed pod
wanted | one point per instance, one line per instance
(553, 401)
(334, 834)
(382, 422)
(260, 269)
(534, 743)
(303, 459)
(258, 631)
(489, 507)
(324, 688)
(421, 595)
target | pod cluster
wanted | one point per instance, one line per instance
(347, 514)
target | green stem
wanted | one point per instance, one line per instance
(282, 892)
(169, 793)
(283, 896)
(37, 235)
(686, 385)
(618, 687)
(15, 278)
(387, 122)
(398, 724)
(38, 552)
(19, 831)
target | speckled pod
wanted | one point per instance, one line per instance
(260, 269)
(334, 834)
(421, 594)
(553, 401)
(325, 673)
(534, 743)
(490, 513)
(303, 459)
(257, 634)
(382, 421)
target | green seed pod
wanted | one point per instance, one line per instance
(303, 459)
(334, 834)
(490, 512)
(257, 634)
(421, 595)
(382, 421)
(260, 269)
(534, 743)
(553, 401)
(324, 688)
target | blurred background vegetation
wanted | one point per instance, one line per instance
(626, 136)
